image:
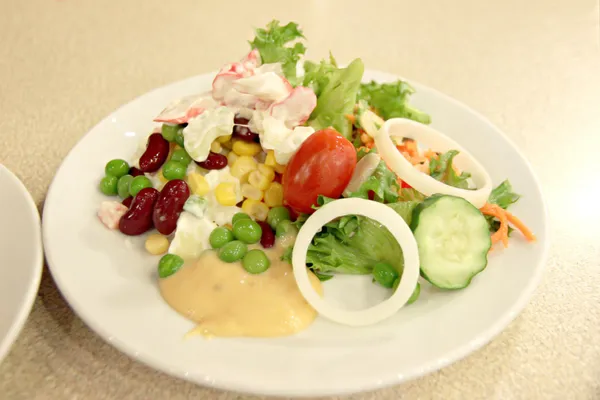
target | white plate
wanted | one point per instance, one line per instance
(111, 282)
(21, 257)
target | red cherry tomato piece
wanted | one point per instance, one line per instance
(323, 165)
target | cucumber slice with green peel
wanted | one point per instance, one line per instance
(453, 238)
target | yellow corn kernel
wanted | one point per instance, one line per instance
(225, 194)
(198, 184)
(242, 166)
(157, 244)
(266, 171)
(215, 147)
(224, 139)
(242, 148)
(274, 195)
(250, 192)
(256, 209)
(270, 159)
(258, 180)
(280, 169)
(231, 157)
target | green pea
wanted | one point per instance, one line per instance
(285, 227)
(276, 215)
(233, 251)
(169, 264)
(138, 183)
(181, 156)
(219, 237)
(179, 138)
(123, 186)
(256, 261)
(173, 170)
(415, 294)
(108, 185)
(116, 168)
(385, 274)
(169, 132)
(238, 216)
(247, 231)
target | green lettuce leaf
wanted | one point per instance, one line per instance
(382, 182)
(441, 169)
(503, 196)
(353, 244)
(336, 90)
(272, 44)
(391, 100)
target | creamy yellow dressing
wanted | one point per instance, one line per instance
(225, 300)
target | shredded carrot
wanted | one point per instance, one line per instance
(501, 235)
(351, 118)
(411, 147)
(520, 226)
(370, 145)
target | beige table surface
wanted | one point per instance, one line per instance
(532, 67)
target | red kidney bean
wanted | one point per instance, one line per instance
(169, 205)
(267, 240)
(127, 202)
(213, 161)
(133, 171)
(243, 132)
(138, 219)
(156, 153)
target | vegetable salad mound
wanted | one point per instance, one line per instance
(242, 167)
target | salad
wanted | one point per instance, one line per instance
(289, 168)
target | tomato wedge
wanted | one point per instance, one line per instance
(323, 165)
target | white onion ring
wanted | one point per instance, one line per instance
(440, 142)
(397, 227)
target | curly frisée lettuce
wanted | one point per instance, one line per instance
(391, 100)
(273, 44)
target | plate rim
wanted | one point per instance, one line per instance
(29, 296)
(451, 357)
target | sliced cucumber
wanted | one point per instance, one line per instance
(453, 239)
